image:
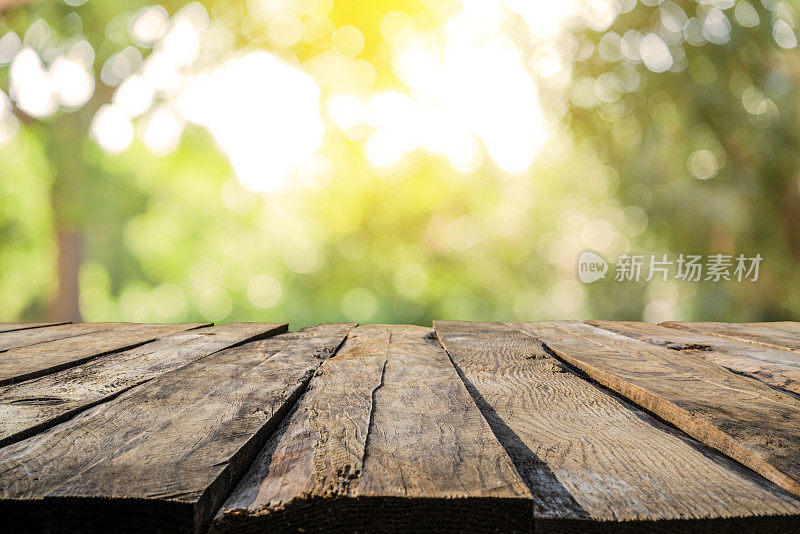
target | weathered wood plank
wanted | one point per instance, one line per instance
(94, 339)
(778, 368)
(590, 458)
(782, 335)
(32, 406)
(386, 438)
(24, 338)
(12, 327)
(752, 423)
(162, 456)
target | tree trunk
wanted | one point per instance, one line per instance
(71, 208)
(65, 305)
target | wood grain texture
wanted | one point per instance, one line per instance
(752, 423)
(91, 341)
(783, 335)
(24, 338)
(386, 438)
(11, 327)
(590, 458)
(161, 457)
(777, 368)
(32, 406)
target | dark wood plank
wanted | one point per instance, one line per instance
(783, 335)
(95, 339)
(32, 406)
(777, 368)
(752, 423)
(590, 458)
(386, 438)
(12, 327)
(164, 455)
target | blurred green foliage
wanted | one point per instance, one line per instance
(736, 101)
(699, 159)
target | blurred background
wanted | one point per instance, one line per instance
(394, 161)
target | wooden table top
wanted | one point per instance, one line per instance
(464, 426)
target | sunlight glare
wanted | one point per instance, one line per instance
(31, 85)
(73, 82)
(181, 44)
(397, 128)
(120, 65)
(655, 53)
(262, 112)
(476, 87)
(112, 129)
(9, 45)
(466, 86)
(544, 17)
(346, 110)
(348, 40)
(162, 130)
(134, 95)
(149, 24)
(82, 52)
(162, 73)
(264, 290)
(784, 34)
(599, 14)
